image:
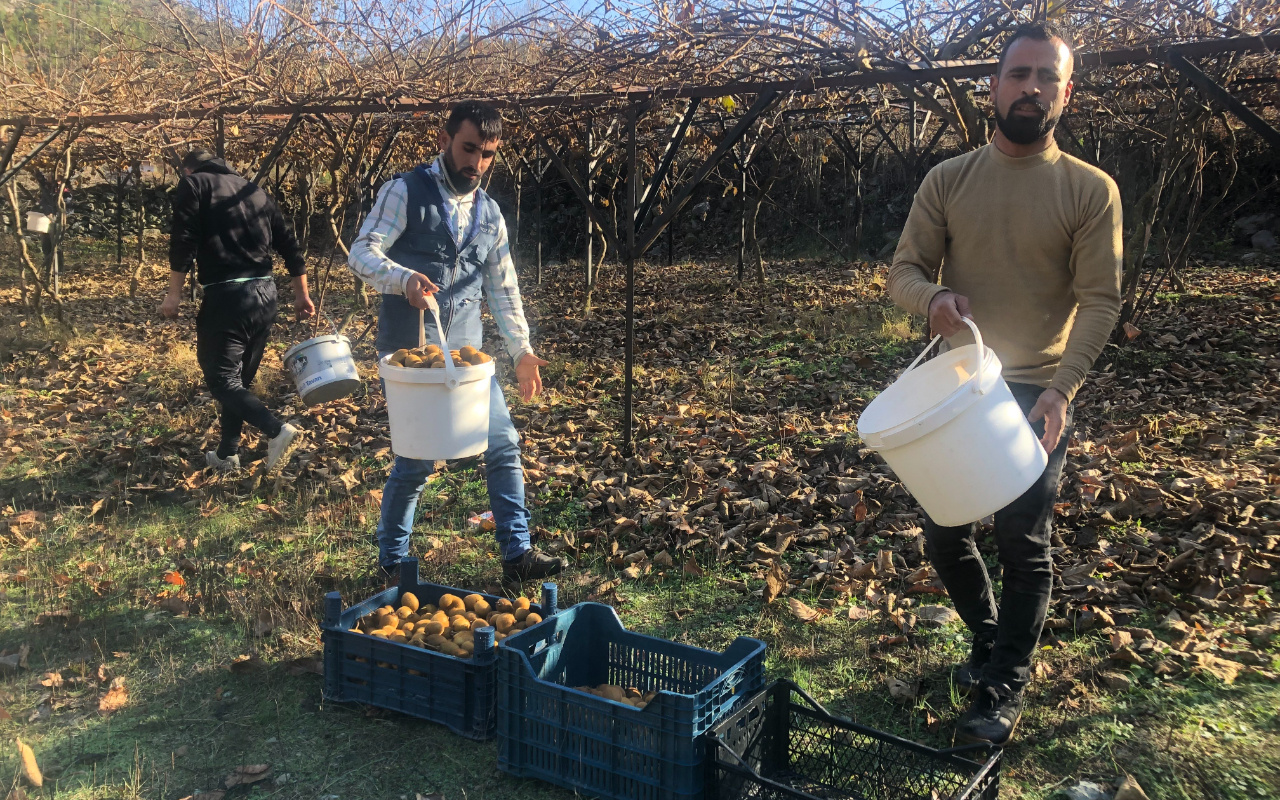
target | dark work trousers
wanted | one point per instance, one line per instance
(1022, 531)
(231, 334)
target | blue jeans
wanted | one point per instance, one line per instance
(505, 477)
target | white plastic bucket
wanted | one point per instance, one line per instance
(438, 413)
(37, 222)
(322, 368)
(954, 434)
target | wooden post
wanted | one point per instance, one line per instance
(515, 239)
(537, 232)
(141, 212)
(120, 181)
(742, 212)
(628, 386)
(591, 165)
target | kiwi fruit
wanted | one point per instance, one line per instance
(532, 619)
(521, 614)
(430, 628)
(460, 623)
(398, 357)
(503, 623)
(504, 606)
(412, 361)
(452, 604)
(410, 601)
(470, 601)
(482, 608)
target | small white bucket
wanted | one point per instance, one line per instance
(37, 222)
(954, 434)
(438, 414)
(322, 368)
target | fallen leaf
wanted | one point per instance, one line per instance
(246, 663)
(663, 560)
(902, 691)
(801, 611)
(936, 616)
(52, 680)
(263, 624)
(1131, 331)
(691, 567)
(175, 606)
(858, 613)
(1130, 790)
(115, 699)
(30, 767)
(774, 583)
(313, 665)
(175, 579)
(248, 774)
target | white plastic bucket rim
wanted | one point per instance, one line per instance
(982, 379)
(38, 222)
(461, 375)
(955, 435)
(438, 414)
(315, 340)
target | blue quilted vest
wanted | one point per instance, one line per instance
(427, 246)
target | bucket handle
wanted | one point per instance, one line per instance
(450, 371)
(981, 354)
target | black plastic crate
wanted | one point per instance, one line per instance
(783, 744)
(459, 693)
(601, 748)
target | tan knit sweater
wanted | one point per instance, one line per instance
(1034, 243)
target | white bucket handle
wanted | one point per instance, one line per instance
(450, 371)
(981, 351)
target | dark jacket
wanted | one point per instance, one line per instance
(229, 227)
(427, 246)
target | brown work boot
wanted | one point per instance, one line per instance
(531, 565)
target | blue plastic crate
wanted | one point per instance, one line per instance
(783, 745)
(608, 749)
(456, 692)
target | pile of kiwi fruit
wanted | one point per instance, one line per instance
(432, 357)
(448, 627)
(630, 695)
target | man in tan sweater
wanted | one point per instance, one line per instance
(1027, 242)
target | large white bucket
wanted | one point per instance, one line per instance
(322, 368)
(37, 222)
(438, 413)
(954, 434)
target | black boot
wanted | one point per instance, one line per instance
(530, 565)
(969, 674)
(993, 716)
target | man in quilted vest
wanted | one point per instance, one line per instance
(433, 230)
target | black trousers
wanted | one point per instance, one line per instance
(231, 334)
(1022, 531)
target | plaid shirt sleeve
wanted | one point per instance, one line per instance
(503, 293)
(381, 229)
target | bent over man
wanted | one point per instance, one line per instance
(229, 227)
(434, 231)
(1027, 240)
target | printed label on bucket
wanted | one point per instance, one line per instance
(320, 377)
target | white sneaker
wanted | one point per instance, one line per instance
(281, 447)
(228, 464)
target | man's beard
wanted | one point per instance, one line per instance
(460, 184)
(1026, 130)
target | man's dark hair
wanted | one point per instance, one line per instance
(484, 116)
(1041, 32)
(195, 157)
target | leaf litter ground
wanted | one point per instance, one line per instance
(162, 620)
